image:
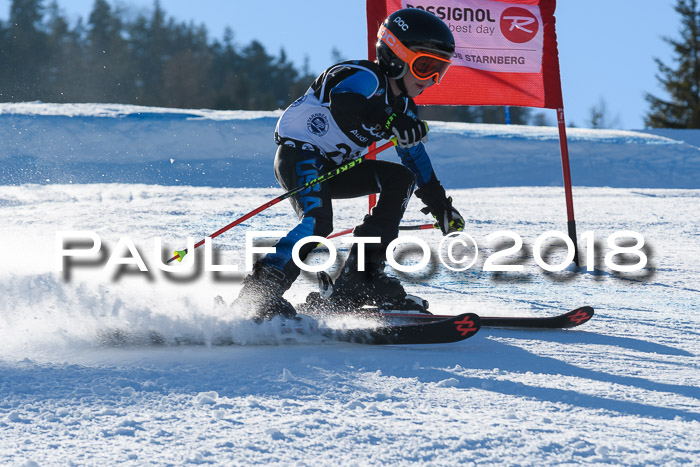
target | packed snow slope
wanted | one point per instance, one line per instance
(81, 383)
(84, 143)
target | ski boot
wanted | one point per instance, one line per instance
(262, 293)
(354, 289)
(325, 302)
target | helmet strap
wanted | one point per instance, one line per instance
(402, 86)
(399, 80)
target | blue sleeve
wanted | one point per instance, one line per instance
(417, 159)
(362, 82)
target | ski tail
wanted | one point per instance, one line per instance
(452, 329)
(571, 319)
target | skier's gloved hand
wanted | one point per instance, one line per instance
(440, 206)
(448, 218)
(408, 132)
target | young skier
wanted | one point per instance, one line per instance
(348, 107)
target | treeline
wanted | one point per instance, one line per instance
(118, 56)
(147, 59)
(680, 108)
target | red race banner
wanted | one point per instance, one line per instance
(506, 51)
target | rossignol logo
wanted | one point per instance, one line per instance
(467, 15)
(401, 23)
(519, 25)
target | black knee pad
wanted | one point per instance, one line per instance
(403, 178)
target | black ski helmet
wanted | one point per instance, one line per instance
(419, 31)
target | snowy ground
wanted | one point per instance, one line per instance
(623, 389)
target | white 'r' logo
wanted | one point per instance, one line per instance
(518, 22)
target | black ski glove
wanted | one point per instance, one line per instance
(440, 206)
(448, 218)
(408, 132)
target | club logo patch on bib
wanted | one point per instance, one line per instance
(318, 124)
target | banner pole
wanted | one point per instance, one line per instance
(372, 197)
(376, 12)
(566, 171)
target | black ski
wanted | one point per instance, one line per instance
(415, 309)
(571, 319)
(438, 331)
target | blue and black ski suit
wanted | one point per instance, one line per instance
(342, 113)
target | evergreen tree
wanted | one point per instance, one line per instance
(475, 114)
(303, 81)
(65, 72)
(257, 92)
(540, 119)
(186, 69)
(497, 114)
(682, 82)
(224, 76)
(25, 50)
(149, 52)
(4, 62)
(106, 57)
(284, 75)
(599, 116)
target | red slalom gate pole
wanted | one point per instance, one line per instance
(401, 227)
(179, 254)
(373, 197)
(566, 171)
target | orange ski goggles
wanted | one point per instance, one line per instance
(423, 65)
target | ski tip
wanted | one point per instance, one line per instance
(466, 324)
(578, 316)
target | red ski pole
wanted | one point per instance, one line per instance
(401, 227)
(179, 254)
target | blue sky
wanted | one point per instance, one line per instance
(606, 47)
